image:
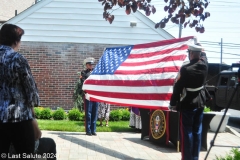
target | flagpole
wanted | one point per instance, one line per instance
(180, 30)
(178, 141)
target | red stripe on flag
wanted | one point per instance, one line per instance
(128, 104)
(182, 136)
(162, 43)
(149, 71)
(165, 59)
(160, 82)
(134, 96)
(157, 53)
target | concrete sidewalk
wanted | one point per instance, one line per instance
(116, 145)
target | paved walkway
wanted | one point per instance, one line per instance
(127, 146)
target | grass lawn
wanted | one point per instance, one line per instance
(78, 126)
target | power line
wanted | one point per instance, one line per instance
(225, 22)
(238, 44)
(223, 53)
(171, 27)
(226, 2)
(215, 31)
(231, 47)
(213, 45)
(219, 57)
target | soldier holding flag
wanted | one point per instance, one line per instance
(91, 108)
(191, 103)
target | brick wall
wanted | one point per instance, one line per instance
(55, 66)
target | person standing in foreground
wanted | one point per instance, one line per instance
(18, 94)
(191, 81)
(46, 147)
(91, 108)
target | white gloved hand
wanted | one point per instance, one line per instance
(87, 96)
(195, 40)
(172, 108)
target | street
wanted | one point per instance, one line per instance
(234, 120)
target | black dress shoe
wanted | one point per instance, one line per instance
(94, 134)
(89, 134)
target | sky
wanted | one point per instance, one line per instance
(223, 23)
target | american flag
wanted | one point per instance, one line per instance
(138, 75)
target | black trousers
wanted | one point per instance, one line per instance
(21, 135)
(47, 148)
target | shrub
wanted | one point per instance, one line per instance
(125, 114)
(116, 115)
(37, 111)
(82, 117)
(59, 114)
(46, 113)
(206, 109)
(77, 95)
(233, 155)
(75, 115)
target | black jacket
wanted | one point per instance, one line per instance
(192, 75)
(85, 74)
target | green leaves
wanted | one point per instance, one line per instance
(59, 114)
(78, 96)
(75, 115)
(206, 109)
(233, 155)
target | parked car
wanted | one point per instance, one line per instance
(221, 86)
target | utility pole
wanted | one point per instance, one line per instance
(221, 56)
(180, 30)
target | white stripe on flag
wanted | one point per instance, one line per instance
(142, 59)
(134, 102)
(166, 75)
(123, 89)
(154, 49)
(151, 66)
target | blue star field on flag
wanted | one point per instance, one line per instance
(111, 60)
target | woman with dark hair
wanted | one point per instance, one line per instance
(18, 95)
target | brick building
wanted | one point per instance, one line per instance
(60, 34)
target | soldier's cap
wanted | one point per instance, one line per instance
(89, 60)
(193, 47)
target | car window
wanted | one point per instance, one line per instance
(233, 79)
(223, 81)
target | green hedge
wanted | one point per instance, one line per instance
(125, 114)
(37, 111)
(43, 113)
(119, 114)
(59, 114)
(234, 154)
(75, 115)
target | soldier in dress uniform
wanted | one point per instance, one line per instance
(91, 108)
(189, 97)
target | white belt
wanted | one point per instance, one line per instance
(194, 89)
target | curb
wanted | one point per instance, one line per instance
(232, 131)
